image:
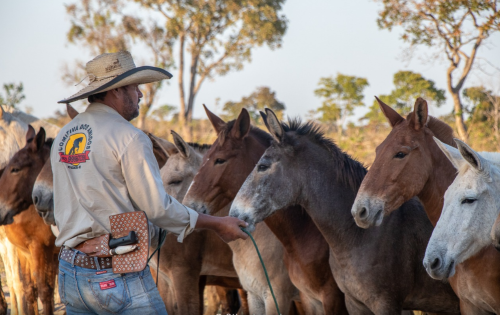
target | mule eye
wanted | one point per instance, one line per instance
(468, 200)
(15, 170)
(219, 161)
(175, 182)
(262, 168)
(400, 155)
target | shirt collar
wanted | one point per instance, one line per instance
(99, 107)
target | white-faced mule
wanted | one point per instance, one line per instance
(471, 206)
(379, 269)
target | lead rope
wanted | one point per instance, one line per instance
(161, 240)
(263, 267)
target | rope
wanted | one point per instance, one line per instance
(263, 267)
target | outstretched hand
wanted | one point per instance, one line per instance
(228, 228)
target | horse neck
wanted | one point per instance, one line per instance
(328, 200)
(442, 175)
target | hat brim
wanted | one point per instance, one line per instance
(139, 75)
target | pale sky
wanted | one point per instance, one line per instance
(323, 38)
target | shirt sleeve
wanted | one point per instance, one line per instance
(146, 191)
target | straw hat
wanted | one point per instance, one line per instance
(111, 71)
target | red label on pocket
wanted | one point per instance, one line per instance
(107, 284)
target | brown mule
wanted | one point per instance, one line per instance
(226, 166)
(33, 239)
(409, 163)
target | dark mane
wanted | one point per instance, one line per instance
(202, 148)
(350, 172)
(258, 133)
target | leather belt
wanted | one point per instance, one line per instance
(85, 261)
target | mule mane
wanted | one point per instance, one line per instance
(201, 148)
(258, 133)
(440, 129)
(350, 172)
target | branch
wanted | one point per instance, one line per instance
(208, 70)
(469, 62)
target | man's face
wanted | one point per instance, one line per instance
(130, 97)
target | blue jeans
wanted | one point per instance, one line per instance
(85, 292)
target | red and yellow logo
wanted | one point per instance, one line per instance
(74, 152)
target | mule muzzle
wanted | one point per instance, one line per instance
(367, 212)
(438, 267)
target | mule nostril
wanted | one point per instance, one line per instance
(363, 213)
(436, 263)
(35, 200)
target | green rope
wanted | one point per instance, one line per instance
(263, 267)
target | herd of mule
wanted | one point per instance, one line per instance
(417, 231)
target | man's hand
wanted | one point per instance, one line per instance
(228, 228)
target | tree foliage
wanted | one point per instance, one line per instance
(262, 98)
(13, 94)
(458, 27)
(408, 86)
(340, 96)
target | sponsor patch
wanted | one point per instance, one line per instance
(74, 147)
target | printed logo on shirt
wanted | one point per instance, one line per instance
(74, 147)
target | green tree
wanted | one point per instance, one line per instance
(457, 27)
(163, 112)
(483, 108)
(209, 38)
(340, 96)
(13, 94)
(257, 101)
(408, 86)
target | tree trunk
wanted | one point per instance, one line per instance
(459, 116)
(143, 112)
(182, 109)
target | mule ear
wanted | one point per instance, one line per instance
(158, 150)
(180, 144)
(264, 118)
(392, 116)
(420, 114)
(30, 135)
(451, 153)
(39, 141)
(72, 112)
(2, 111)
(216, 121)
(471, 156)
(241, 126)
(274, 126)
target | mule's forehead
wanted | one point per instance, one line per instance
(468, 183)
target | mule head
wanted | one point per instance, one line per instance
(18, 178)
(183, 163)
(471, 206)
(43, 194)
(227, 164)
(269, 187)
(12, 136)
(402, 166)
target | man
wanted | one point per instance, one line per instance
(104, 166)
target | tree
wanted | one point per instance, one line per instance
(213, 37)
(408, 86)
(13, 94)
(340, 96)
(483, 109)
(459, 27)
(257, 101)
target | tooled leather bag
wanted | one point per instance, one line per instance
(121, 225)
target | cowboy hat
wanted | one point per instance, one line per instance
(111, 71)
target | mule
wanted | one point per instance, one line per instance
(471, 206)
(212, 191)
(306, 258)
(202, 253)
(379, 270)
(409, 163)
(33, 239)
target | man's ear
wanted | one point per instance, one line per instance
(451, 153)
(392, 116)
(420, 114)
(30, 134)
(241, 126)
(274, 126)
(215, 120)
(72, 112)
(180, 144)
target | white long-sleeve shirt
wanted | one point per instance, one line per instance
(102, 166)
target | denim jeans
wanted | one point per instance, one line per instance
(85, 292)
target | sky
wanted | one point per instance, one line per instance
(323, 38)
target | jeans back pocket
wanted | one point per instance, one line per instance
(111, 293)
